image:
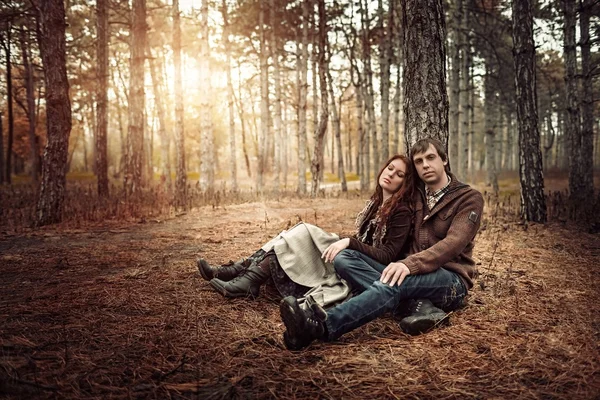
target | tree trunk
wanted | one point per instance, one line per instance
(337, 133)
(471, 123)
(284, 144)
(363, 144)
(425, 97)
(135, 131)
(585, 163)
(397, 101)
(180, 170)
(230, 98)
(9, 105)
(33, 147)
(207, 161)
(103, 37)
(277, 106)
(455, 42)
(165, 166)
(317, 161)
(1, 151)
(302, 66)
(490, 124)
(368, 94)
(465, 47)
(242, 123)
(533, 202)
(384, 80)
(264, 101)
(58, 112)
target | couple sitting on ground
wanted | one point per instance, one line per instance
(412, 256)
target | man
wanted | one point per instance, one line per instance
(438, 270)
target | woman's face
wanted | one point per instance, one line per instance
(392, 177)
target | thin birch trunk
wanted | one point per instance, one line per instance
(103, 37)
(317, 161)
(586, 186)
(264, 102)
(302, 66)
(165, 166)
(230, 98)
(277, 106)
(384, 79)
(207, 159)
(455, 39)
(465, 46)
(180, 167)
(9, 103)
(337, 133)
(33, 147)
(135, 132)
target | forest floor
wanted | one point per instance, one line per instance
(118, 310)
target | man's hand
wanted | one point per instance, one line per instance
(333, 249)
(394, 273)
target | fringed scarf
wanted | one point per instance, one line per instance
(361, 218)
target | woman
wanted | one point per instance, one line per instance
(299, 260)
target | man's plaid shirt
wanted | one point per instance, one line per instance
(434, 197)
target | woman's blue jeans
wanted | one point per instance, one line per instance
(444, 288)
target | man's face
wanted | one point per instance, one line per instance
(430, 167)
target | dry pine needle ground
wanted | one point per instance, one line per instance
(119, 311)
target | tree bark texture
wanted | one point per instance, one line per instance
(384, 71)
(369, 93)
(425, 97)
(31, 117)
(103, 36)
(277, 105)
(337, 133)
(58, 112)
(264, 100)
(585, 186)
(9, 103)
(317, 161)
(135, 131)
(455, 75)
(302, 66)
(1, 151)
(207, 159)
(533, 202)
(465, 68)
(490, 111)
(230, 98)
(180, 170)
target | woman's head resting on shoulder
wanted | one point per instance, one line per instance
(395, 185)
(395, 180)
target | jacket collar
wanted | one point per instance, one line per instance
(455, 189)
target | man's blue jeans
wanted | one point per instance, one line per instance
(444, 288)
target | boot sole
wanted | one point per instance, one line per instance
(292, 318)
(419, 325)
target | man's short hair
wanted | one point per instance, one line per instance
(422, 145)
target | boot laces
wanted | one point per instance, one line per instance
(419, 304)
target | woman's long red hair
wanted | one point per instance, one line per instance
(404, 194)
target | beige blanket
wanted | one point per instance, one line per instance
(299, 252)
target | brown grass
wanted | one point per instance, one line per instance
(117, 310)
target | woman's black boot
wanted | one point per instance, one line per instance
(227, 272)
(248, 283)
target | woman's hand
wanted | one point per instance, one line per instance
(333, 249)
